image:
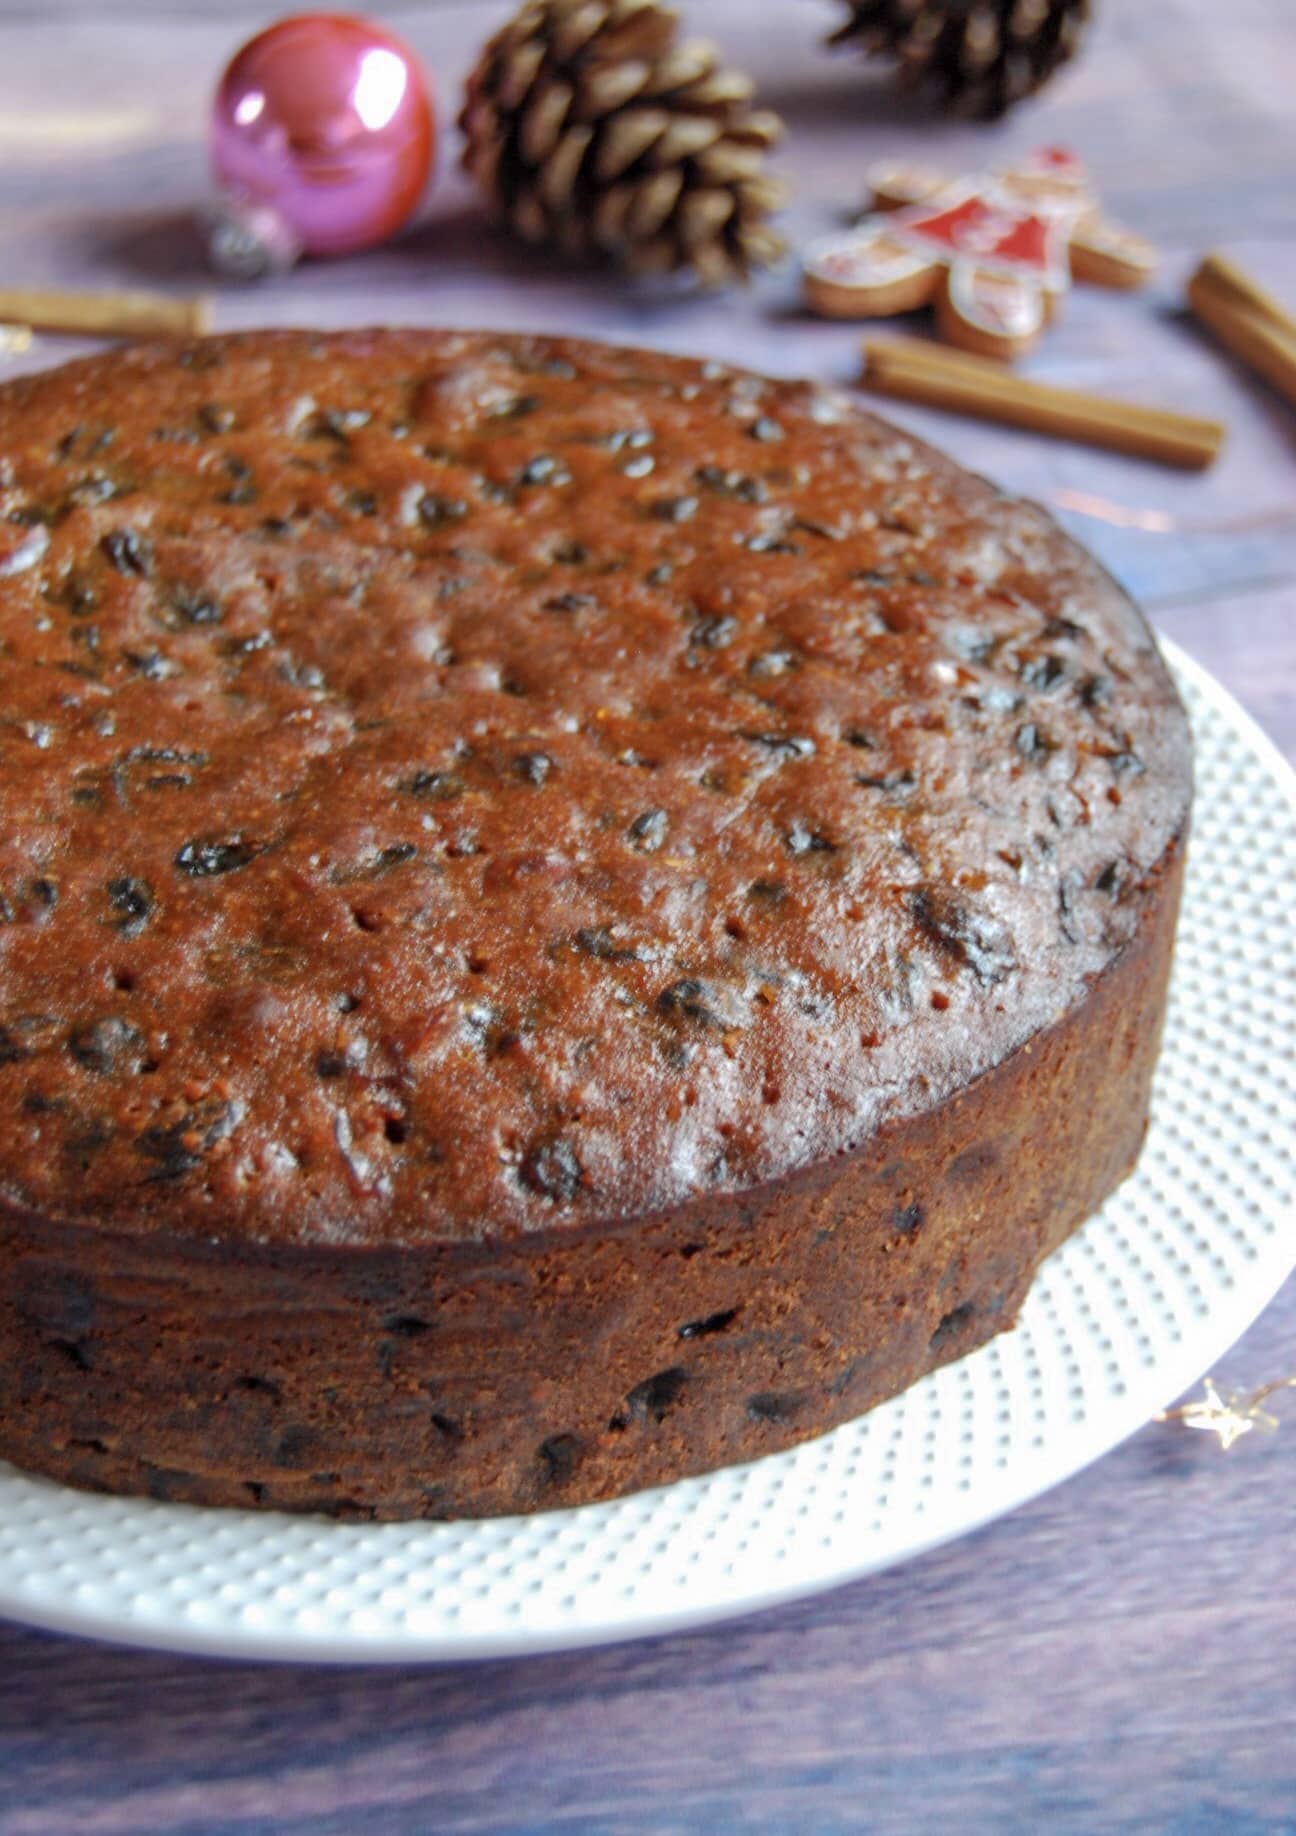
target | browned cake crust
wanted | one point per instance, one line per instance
(567, 916)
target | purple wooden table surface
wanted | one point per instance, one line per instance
(1120, 1655)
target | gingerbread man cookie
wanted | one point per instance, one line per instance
(995, 254)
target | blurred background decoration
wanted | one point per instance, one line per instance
(322, 138)
(976, 56)
(592, 125)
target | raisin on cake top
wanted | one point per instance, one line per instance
(459, 784)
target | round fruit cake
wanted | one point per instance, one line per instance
(567, 916)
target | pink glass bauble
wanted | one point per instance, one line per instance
(324, 120)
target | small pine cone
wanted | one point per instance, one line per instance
(589, 127)
(978, 57)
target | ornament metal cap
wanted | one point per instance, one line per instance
(247, 240)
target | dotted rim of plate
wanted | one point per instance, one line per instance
(1122, 1319)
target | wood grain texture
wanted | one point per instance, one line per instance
(1119, 1656)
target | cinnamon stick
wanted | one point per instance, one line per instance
(105, 315)
(1225, 278)
(1246, 321)
(971, 385)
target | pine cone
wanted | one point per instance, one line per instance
(589, 126)
(978, 56)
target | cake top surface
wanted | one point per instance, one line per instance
(454, 785)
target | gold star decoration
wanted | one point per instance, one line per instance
(1231, 1415)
